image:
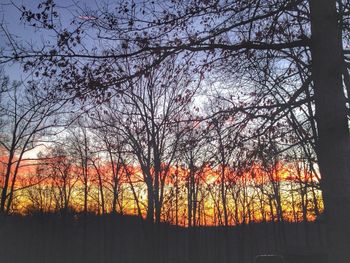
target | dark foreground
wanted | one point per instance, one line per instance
(65, 239)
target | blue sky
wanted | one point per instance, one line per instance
(10, 19)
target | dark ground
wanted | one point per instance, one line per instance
(65, 239)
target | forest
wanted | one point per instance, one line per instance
(174, 131)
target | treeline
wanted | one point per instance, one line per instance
(156, 149)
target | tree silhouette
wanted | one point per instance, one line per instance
(301, 41)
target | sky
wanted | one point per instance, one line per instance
(10, 19)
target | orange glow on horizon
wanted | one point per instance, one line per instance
(246, 191)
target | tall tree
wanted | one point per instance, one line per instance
(333, 144)
(149, 113)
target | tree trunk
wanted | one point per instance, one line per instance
(150, 200)
(100, 185)
(177, 196)
(157, 203)
(115, 172)
(333, 145)
(85, 196)
(189, 200)
(223, 193)
(7, 180)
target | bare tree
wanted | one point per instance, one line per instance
(148, 113)
(81, 150)
(60, 170)
(28, 117)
